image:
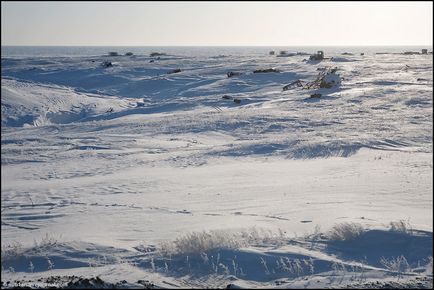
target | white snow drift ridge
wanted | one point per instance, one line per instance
(31, 104)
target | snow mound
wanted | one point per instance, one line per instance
(30, 104)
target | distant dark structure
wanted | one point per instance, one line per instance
(267, 70)
(424, 51)
(271, 52)
(411, 52)
(284, 53)
(317, 56)
(113, 53)
(129, 54)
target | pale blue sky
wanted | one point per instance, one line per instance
(216, 23)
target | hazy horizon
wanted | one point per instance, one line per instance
(216, 24)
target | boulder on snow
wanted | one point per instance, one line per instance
(177, 70)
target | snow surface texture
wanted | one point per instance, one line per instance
(133, 172)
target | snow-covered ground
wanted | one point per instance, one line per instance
(131, 172)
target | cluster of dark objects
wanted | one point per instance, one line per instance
(236, 100)
(155, 55)
(73, 282)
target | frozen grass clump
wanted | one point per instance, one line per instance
(260, 237)
(345, 232)
(199, 242)
(10, 251)
(429, 266)
(47, 241)
(398, 264)
(16, 250)
(196, 243)
(401, 226)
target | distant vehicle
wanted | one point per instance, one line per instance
(317, 56)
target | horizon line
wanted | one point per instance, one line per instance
(279, 45)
